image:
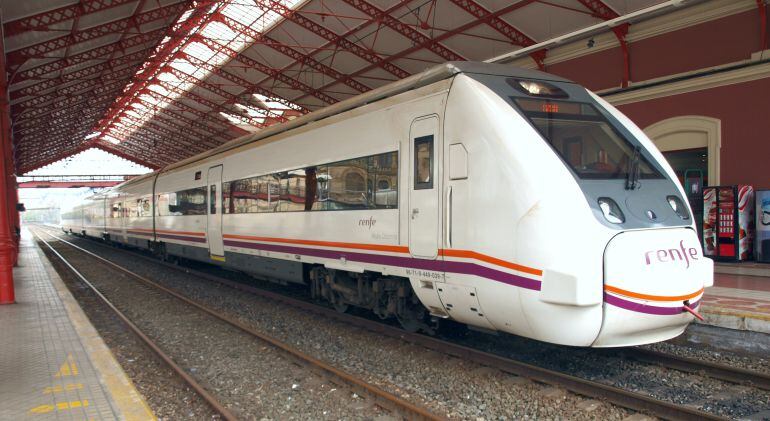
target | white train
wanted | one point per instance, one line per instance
(503, 198)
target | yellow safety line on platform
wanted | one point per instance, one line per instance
(68, 368)
(61, 406)
(746, 315)
(129, 401)
(59, 388)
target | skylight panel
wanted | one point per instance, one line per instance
(219, 42)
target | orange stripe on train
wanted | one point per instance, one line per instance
(393, 249)
(641, 296)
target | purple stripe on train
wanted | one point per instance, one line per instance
(408, 262)
(182, 238)
(645, 308)
(448, 266)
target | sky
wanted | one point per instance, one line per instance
(89, 162)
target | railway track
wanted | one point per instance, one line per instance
(618, 396)
(382, 398)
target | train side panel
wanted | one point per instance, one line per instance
(131, 213)
(93, 217)
(180, 211)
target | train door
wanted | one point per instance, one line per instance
(424, 147)
(214, 217)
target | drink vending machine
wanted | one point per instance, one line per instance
(728, 222)
(763, 226)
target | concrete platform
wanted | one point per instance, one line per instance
(744, 268)
(737, 300)
(53, 363)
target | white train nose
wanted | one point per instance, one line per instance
(651, 279)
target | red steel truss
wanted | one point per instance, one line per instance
(73, 86)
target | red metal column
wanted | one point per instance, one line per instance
(762, 24)
(7, 248)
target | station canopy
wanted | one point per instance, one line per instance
(156, 81)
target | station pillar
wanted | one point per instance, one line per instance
(7, 246)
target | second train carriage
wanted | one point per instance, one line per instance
(502, 198)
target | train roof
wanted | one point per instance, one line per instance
(430, 76)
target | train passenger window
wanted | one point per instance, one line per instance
(116, 210)
(293, 198)
(322, 188)
(383, 176)
(423, 162)
(362, 183)
(347, 184)
(144, 207)
(185, 202)
(213, 199)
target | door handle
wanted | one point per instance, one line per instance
(449, 217)
(415, 212)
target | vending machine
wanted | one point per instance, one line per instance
(728, 222)
(763, 226)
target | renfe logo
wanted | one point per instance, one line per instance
(367, 222)
(673, 255)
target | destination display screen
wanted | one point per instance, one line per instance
(555, 107)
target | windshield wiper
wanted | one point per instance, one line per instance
(632, 178)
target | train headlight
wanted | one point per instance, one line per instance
(678, 207)
(611, 210)
(537, 88)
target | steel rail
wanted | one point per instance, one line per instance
(197, 387)
(627, 399)
(691, 365)
(381, 397)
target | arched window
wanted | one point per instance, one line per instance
(354, 182)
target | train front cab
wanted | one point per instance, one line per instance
(653, 279)
(560, 153)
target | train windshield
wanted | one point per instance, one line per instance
(586, 141)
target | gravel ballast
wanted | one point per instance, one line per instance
(447, 386)
(459, 388)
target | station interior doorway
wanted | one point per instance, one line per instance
(691, 167)
(691, 145)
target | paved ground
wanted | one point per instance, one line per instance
(53, 364)
(739, 301)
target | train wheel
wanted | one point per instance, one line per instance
(412, 317)
(338, 302)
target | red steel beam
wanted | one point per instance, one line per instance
(200, 115)
(66, 184)
(261, 67)
(43, 161)
(345, 35)
(178, 36)
(320, 30)
(68, 106)
(497, 23)
(154, 144)
(110, 28)
(297, 55)
(601, 10)
(69, 90)
(148, 38)
(407, 31)
(7, 246)
(230, 98)
(65, 83)
(44, 20)
(200, 100)
(237, 80)
(166, 135)
(120, 154)
(436, 39)
(169, 116)
(762, 9)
